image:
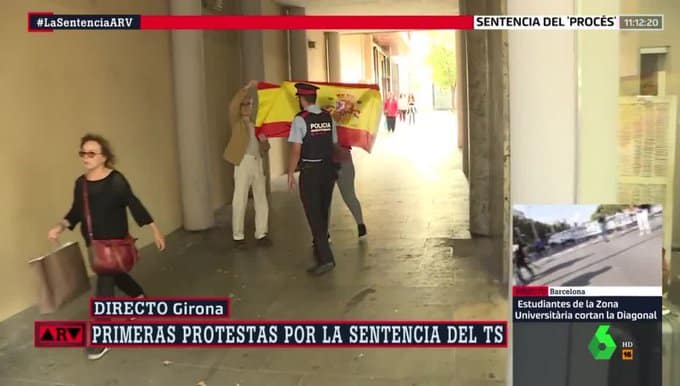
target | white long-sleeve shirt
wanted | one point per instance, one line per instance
(402, 104)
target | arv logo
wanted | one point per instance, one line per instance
(602, 346)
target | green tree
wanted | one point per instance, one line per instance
(607, 210)
(525, 227)
(442, 59)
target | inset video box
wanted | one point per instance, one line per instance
(590, 336)
(166, 308)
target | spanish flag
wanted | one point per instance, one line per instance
(356, 109)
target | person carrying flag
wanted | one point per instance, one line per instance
(246, 152)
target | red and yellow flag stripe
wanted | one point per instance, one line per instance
(356, 109)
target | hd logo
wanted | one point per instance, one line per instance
(602, 345)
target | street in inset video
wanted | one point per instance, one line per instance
(588, 245)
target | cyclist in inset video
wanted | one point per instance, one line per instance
(521, 260)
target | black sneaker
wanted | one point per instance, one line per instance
(362, 230)
(94, 353)
(322, 268)
(317, 265)
(240, 243)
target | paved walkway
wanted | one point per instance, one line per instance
(409, 267)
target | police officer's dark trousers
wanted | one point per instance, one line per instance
(317, 180)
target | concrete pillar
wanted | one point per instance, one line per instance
(500, 207)
(190, 107)
(252, 61)
(367, 42)
(461, 103)
(298, 48)
(252, 46)
(488, 123)
(479, 120)
(598, 60)
(673, 253)
(542, 108)
(629, 53)
(333, 56)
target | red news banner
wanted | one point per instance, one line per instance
(48, 22)
(203, 322)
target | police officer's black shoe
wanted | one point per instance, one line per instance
(318, 264)
(362, 230)
(322, 268)
(316, 260)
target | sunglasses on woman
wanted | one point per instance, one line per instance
(88, 154)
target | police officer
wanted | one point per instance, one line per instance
(313, 137)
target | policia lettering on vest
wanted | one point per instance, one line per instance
(313, 138)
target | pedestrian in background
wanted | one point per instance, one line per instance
(391, 109)
(642, 216)
(402, 104)
(602, 219)
(412, 109)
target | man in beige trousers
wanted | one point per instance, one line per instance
(246, 151)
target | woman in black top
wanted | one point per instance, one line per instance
(109, 197)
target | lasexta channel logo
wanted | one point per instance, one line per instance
(602, 345)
